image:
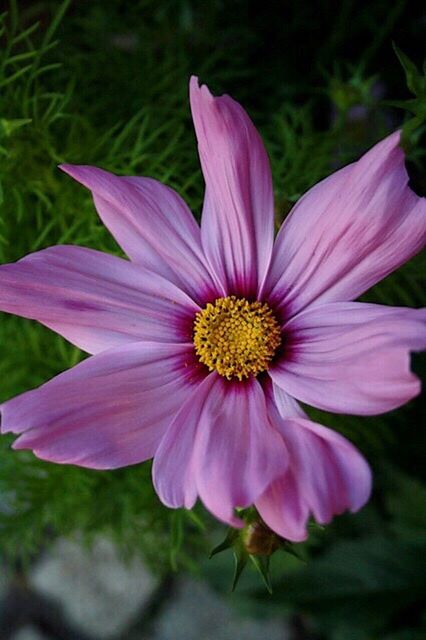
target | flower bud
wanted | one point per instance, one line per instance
(259, 539)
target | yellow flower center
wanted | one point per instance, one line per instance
(235, 337)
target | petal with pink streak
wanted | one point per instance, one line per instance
(351, 357)
(284, 509)
(95, 300)
(173, 470)
(348, 232)
(237, 453)
(238, 215)
(109, 411)
(325, 477)
(153, 225)
(221, 446)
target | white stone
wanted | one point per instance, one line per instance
(198, 613)
(98, 592)
(28, 633)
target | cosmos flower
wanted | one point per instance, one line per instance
(204, 342)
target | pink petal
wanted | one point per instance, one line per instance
(284, 508)
(326, 475)
(348, 232)
(238, 214)
(109, 411)
(152, 224)
(237, 453)
(173, 470)
(95, 300)
(221, 445)
(351, 357)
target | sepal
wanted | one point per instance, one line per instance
(416, 83)
(255, 542)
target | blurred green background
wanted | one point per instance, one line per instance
(105, 82)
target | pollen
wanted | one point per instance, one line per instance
(235, 337)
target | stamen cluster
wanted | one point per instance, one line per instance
(235, 337)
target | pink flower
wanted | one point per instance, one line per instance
(203, 343)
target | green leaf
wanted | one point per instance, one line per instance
(406, 502)
(240, 558)
(350, 583)
(177, 535)
(227, 543)
(261, 564)
(415, 82)
(8, 127)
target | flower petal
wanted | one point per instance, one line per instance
(237, 453)
(95, 300)
(152, 224)
(222, 445)
(173, 470)
(109, 411)
(351, 357)
(348, 232)
(326, 475)
(283, 508)
(238, 214)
